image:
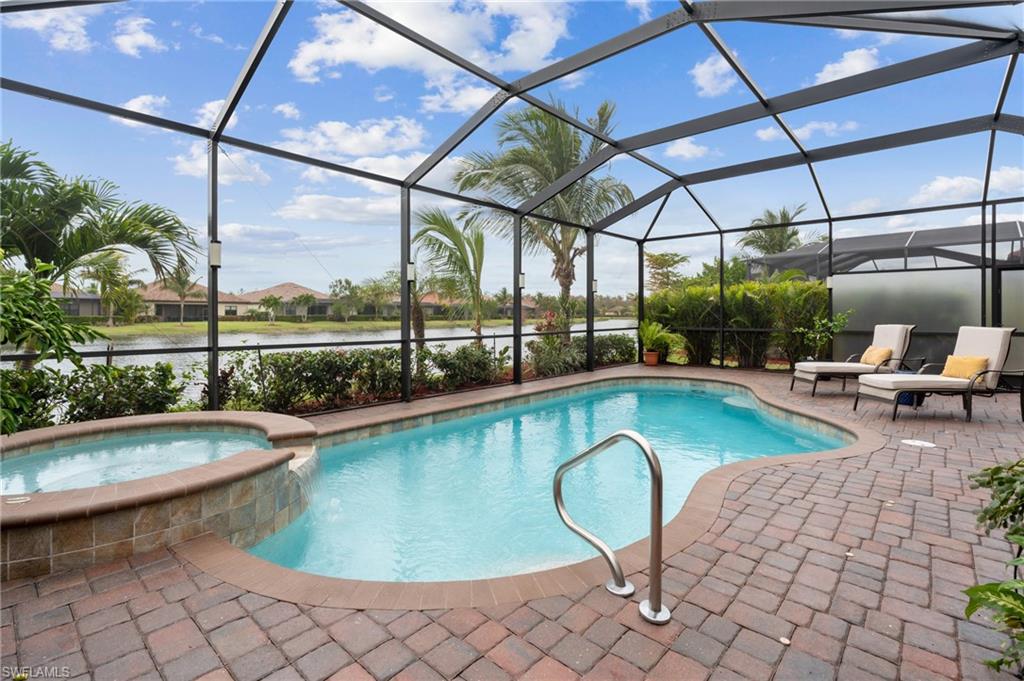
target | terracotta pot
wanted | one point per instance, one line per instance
(651, 358)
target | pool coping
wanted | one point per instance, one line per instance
(286, 434)
(700, 510)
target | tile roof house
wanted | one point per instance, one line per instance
(76, 303)
(287, 292)
(165, 305)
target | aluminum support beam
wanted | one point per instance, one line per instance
(934, 26)
(517, 299)
(212, 277)
(940, 62)
(591, 307)
(639, 298)
(864, 146)
(32, 5)
(259, 49)
(405, 299)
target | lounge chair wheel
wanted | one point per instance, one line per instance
(856, 400)
(792, 382)
(814, 386)
(895, 407)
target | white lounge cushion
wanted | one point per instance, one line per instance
(984, 341)
(895, 336)
(897, 382)
(852, 368)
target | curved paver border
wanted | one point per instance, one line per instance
(699, 512)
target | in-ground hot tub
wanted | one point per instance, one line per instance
(91, 492)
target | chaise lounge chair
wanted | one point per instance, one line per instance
(894, 337)
(988, 346)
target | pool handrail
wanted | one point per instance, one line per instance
(651, 609)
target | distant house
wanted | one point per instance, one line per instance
(286, 292)
(529, 308)
(77, 303)
(166, 306)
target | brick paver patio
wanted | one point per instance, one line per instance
(842, 569)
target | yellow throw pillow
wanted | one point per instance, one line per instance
(964, 367)
(875, 355)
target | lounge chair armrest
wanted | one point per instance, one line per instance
(854, 356)
(931, 365)
(903, 361)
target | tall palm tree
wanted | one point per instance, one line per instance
(456, 254)
(113, 279)
(535, 149)
(303, 302)
(769, 240)
(65, 221)
(181, 283)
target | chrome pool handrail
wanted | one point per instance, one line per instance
(651, 609)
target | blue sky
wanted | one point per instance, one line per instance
(336, 86)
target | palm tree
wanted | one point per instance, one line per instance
(777, 239)
(456, 254)
(65, 221)
(535, 149)
(303, 302)
(109, 270)
(271, 304)
(503, 298)
(131, 305)
(181, 283)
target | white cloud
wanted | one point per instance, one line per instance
(898, 221)
(945, 189)
(468, 28)
(207, 114)
(131, 36)
(879, 38)
(865, 205)
(805, 132)
(975, 218)
(573, 80)
(237, 166)
(153, 105)
(686, 149)
(338, 139)
(64, 29)
(382, 93)
(262, 239)
(852, 62)
(288, 110)
(642, 7)
(348, 209)
(1007, 180)
(713, 76)
(456, 95)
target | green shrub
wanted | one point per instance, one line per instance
(99, 392)
(552, 356)
(693, 312)
(795, 305)
(468, 365)
(35, 395)
(378, 374)
(747, 307)
(618, 348)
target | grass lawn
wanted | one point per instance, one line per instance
(246, 326)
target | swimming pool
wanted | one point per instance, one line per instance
(119, 458)
(471, 498)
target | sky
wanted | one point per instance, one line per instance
(338, 87)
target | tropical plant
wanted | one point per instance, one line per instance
(794, 305)
(67, 221)
(1005, 600)
(663, 270)
(694, 312)
(131, 305)
(381, 291)
(776, 235)
(182, 283)
(733, 272)
(456, 255)
(99, 392)
(748, 316)
(468, 365)
(303, 302)
(110, 272)
(347, 298)
(536, 148)
(503, 298)
(655, 337)
(31, 319)
(271, 304)
(820, 334)
(552, 356)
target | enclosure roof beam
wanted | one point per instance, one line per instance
(252, 62)
(996, 117)
(32, 5)
(120, 112)
(939, 62)
(864, 146)
(936, 26)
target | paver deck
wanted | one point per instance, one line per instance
(835, 569)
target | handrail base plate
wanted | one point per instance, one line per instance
(625, 591)
(661, 617)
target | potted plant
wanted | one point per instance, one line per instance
(656, 339)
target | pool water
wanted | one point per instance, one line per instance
(119, 459)
(471, 498)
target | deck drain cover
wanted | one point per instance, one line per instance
(918, 443)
